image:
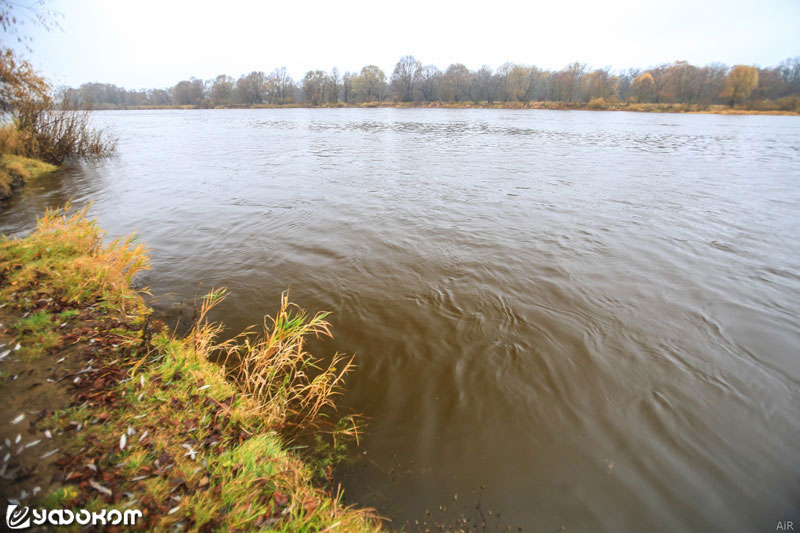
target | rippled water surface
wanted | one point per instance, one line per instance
(592, 315)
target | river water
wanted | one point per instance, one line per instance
(591, 315)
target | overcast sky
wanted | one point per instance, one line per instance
(156, 43)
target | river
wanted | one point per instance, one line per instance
(591, 315)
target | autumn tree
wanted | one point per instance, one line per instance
(370, 84)
(312, 85)
(574, 73)
(643, 87)
(790, 70)
(41, 126)
(456, 83)
(518, 83)
(19, 82)
(250, 89)
(771, 85)
(279, 87)
(599, 83)
(405, 78)
(430, 79)
(332, 86)
(681, 82)
(625, 81)
(189, 92)
(558, 88)
(481, 89)
(221, 92)
(712, 80)
(159, 97)
(741, 81)
(18, 79)
(347, 87)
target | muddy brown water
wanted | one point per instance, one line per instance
(592, 315)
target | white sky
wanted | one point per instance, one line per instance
(156, 43)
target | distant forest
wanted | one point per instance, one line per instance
(770, 89)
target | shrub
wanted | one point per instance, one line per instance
(54, 132)
(41, 127)
(598, 103)
(789, 103)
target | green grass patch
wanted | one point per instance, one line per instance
(69, 313)
(15, 170)
(33, 166)
(36, 334)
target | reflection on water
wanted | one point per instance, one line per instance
(591, 315)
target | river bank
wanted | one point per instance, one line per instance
(554, 106)
(15, 170)
(105, 409)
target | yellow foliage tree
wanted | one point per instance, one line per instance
(18, 81)
(643, 87)
(740, 84)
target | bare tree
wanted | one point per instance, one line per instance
(347, 87)
(332, 86)
(481, 87)
(405, 78)
(430, 77)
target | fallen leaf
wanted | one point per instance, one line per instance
(100, 488)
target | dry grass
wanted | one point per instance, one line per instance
(291, 387)
(52, 133)
(66, 257)
(10, 142)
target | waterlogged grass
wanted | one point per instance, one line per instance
(154, 424)
(290, 385)
(33, 166)
(15, 170)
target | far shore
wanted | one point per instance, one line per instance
(556, 106)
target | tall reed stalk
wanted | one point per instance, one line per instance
(291, 386)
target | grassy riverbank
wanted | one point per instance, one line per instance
(16, 170)
(105, 409)
(595, 105)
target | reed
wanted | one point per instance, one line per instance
(293, 388)
(53, 132)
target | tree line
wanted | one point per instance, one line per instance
(771, 88)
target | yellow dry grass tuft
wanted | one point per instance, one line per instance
(291, 387)
(66, 256)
